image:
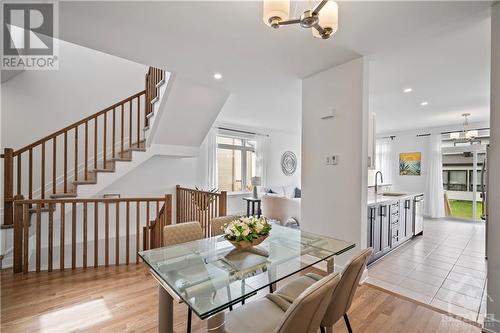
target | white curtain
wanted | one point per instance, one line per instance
(384, 159)
(260, 157)
(212, 159)
(434, 193)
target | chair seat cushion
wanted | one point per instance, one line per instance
(260, 316)
(294, 288)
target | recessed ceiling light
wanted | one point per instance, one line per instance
(407, 90)
(217, 76)
(424, 103)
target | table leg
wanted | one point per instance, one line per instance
(165, 312)
(258, 209)
(271, 274)
(253, 208)
(330, 265)
(248, 208)
(215, 324)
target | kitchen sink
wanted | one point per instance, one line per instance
(393, 194)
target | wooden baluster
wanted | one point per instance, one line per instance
(122, 131)
(157, 225)
(113, 134)
(76, 154)
(18, 236)
(26, 220)
(95, 142)
(61, 243)
(130, 125)
(117, 235)
(127, 240)
(65, 162)
(30, 176)
(85, 234)
(38, 240)
(51, 237)
(19, 173)
(42, 175)
(137, 230)
(106, 233)
(138, 120)
(8, 189)
(147, 236)
(86, 170)
(54, 164)
(73, 236)
(104, 140)
(223, 203)
(177, 203)
(96, 234)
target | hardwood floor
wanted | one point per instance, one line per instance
(124, 299)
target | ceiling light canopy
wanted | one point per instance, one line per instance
(323, 18)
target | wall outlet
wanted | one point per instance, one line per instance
(332, 160)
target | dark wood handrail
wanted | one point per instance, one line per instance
(76, 124)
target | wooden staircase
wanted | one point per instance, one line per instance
(56, 165)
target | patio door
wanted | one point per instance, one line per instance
(462, 180)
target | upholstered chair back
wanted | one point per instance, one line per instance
(181, 233)
(343, 295)
(305, 314)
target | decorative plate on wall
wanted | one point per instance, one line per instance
(288, 163)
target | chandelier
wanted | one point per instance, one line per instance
(465, 135)
(322, 19)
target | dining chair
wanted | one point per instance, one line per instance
(342, 296)
(217, 223)
(181, 233)
(275, 314)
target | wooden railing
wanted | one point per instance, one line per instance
(201, 206)
(155, 228)
(83, 220)
(153, 77)
(57, 163)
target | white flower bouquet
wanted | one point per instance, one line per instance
(247, 231)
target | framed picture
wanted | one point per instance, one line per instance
(410, 164)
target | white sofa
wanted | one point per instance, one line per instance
(281, 204)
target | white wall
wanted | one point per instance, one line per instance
(157, 176)
(37, 103)
(334, 197)
(493, 306)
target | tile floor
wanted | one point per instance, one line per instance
(444, 268)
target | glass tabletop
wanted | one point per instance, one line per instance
(210, 274)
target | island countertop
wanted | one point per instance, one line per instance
(374, 200)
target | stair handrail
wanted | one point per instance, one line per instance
(13, 175)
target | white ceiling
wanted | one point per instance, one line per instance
(262, 67)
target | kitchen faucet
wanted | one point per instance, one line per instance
(376, 182)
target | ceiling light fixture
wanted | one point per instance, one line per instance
(217, 76)
(407, 90)
(323, 18)
(424, 103)
(466, 135)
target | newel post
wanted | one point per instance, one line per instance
(8, 186)
(223, 203)
(18, 234)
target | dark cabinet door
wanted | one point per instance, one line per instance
(395, 225)
(408, 212)
(372, 211)
(377, 233)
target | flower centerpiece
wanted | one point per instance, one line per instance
(247, 231)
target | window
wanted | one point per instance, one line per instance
(455, 180)
(236, 163)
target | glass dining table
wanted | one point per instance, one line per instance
(210, 275)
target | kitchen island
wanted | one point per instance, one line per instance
(393, 218)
